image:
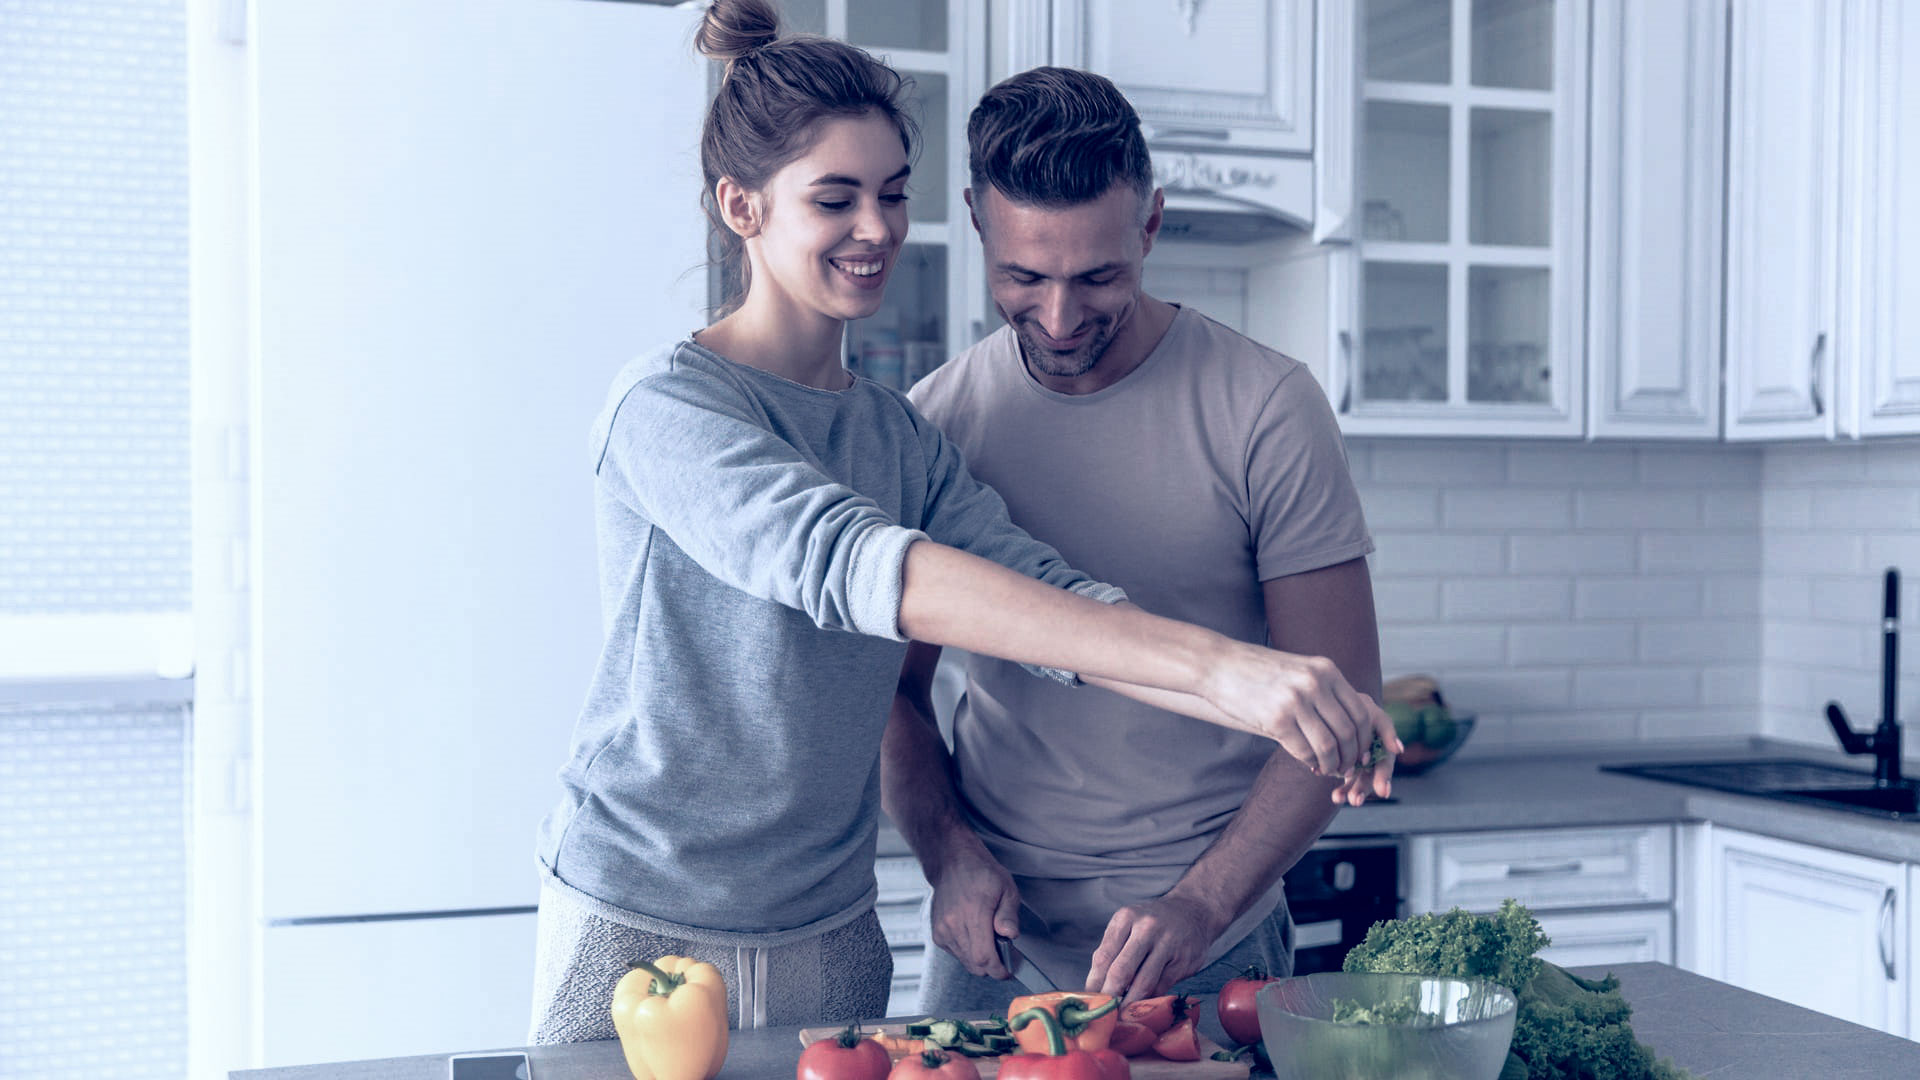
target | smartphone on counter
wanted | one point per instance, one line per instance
(497, 1066)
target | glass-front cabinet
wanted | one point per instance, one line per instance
(1467, 271)
(936, 291)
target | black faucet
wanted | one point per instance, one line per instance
(1884, 742)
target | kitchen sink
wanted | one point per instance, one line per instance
(1790, 780)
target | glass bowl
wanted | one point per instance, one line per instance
(1420, 757)
(1466, 1038)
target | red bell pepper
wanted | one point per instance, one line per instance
(1059, 1062)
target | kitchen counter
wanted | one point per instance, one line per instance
(1708, 1027)
(1566, 788)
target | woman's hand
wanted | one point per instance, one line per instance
(1301, 702)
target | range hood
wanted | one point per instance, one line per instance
(1232, 199)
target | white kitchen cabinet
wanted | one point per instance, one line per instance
(1822, 929)
(1231, 75)
(1466, 309)
(1633, 936)
(1604, 896)
(1878, 343)
(1783, 168)
(356, 990)
(1654, 300)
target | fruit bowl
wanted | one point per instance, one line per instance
(1456, 1029)
(1420, 756)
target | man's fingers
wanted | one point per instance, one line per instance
(1110, 944)
(1006, 915)
(1126, 965)
(1152, 973)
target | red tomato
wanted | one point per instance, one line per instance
(1236, 1008)
(1180, 1043)
(934, 1065)
(846, 1056)
(1130, 1038)
(1156, 1013)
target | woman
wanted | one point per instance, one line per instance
(772, 530)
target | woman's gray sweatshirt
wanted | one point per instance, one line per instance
(725, 770)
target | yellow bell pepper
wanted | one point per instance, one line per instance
(672, 1019)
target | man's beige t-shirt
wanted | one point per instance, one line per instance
(1212, 467)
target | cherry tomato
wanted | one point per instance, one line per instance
(1131, 1039)
(848, 1055)
(934, 1065)
(1236, 1008)
(1180, 1043)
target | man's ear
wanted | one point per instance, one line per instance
(742, 210)
(973, 212)
(1154, 216)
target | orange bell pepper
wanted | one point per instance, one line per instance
(1086, 1020)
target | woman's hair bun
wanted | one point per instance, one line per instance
(735, 28)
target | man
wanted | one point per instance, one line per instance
(1126, 850)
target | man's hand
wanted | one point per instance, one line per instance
(974, 899)
(1151, 945)
(1375, 779)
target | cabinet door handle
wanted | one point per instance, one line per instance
(1886, 933)
(1548, 870)
(1813, 374)
(1346, 384)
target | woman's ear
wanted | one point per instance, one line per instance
(742, 210)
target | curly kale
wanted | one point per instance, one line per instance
(1568, 1028)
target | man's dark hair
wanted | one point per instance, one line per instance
(1054, 137)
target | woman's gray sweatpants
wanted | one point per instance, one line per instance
(582, 951)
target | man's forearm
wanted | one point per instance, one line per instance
(916, 784)
(1283, 815)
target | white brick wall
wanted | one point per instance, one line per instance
(1833, 518)
(1572, 593)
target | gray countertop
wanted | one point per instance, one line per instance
(1567, 788)
(1707, 1027)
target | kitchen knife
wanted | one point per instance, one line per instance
(1024, 971)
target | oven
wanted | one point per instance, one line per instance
(1336, 892)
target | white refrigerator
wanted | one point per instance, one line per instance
(469, 214)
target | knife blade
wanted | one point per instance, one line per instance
(1024, 971)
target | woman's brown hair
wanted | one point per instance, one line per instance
(775, 92)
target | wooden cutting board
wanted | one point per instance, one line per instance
(1145, 1067)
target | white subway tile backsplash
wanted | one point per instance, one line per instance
(1468, 690)
(1406, 600)
(1635, 508)
(1573, 553)
(1506, 599)
(1636, 687)
(1730, 684)
(1893, 462)
(1705, 723)
(1428, 462)
(1784, 596)
(1638, 597)
(1560, 466)
(1734, 594)
(1855, 599)
(1786, 508)
(1699, 640)
(1814, 466)
(1408, 649)
(1539, 644)
(1704, 552)
(1505, 508)
(1819, 644)
(1813, 552)
(1401, 507)
(1399, 554)
(1868, 507)
(1571, 730)
(1705, 466)
(1894, 549)
(1735, 509)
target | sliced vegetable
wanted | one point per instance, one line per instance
(1157, 1013)
(1181, 1042)
(1132, 1039)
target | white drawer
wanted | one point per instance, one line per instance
(1608, 937)
(901, 924)
(1543, 868)
(900, 880)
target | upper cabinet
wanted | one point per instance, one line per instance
(1466, 291)
(1823, 288)
(1224, 88)
(1879, 330)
